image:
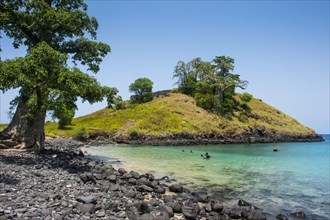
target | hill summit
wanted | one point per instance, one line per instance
(175, 119)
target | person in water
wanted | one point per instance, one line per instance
(206, 155)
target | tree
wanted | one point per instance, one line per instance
(142, 89)
(245, 97)
(224, 83)
(212, 84)
(54, 33)
(187, 75)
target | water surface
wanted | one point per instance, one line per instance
(296, 178)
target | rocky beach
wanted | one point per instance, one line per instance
(61, 183)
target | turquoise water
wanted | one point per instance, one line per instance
(296, 178)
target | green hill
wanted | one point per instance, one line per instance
(175, 119)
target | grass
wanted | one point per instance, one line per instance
(176, 113)
(3, 126)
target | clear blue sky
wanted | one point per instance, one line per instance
(280, 47)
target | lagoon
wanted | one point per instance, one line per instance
(296, 178)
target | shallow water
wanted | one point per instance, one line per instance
(296, 178)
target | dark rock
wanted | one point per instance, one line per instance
(190, 211)
(133, 213)
(67, 211)
(177, 188)
(99, 176)
(213, 216)
(130, 194)
(281, 217)
(144, 208)
(144, 188)
(144, 181)
(132, 181)
(161, 216)
(255, 215)
(112, 178)
(224, 217)
(122, 171)
(217, 207)
(160, 190)
(299, 214)
(203, 198)
(57, 196)
(126, 176)
(86, 208)
(87, 177)
(135, 175)
(150, 177)
(168, 199)
(87, 199)
(114, 187)
(235, 212)
(147, 216)
(242, 202)
(154, 202)
(175, 206)
(167, 209)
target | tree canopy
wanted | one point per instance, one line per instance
(142, 89)
(55, 33)
(212, 84)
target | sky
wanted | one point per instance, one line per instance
(280, 47)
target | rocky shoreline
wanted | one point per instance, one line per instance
(60, 183)
(184, 139)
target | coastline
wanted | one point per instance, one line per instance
(184, 139)
(61, 183)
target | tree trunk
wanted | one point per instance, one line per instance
(218, 100)
(24, 132)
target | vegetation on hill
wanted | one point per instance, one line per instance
(176, 113)
(212, 84)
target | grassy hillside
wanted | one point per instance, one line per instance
(178, 113)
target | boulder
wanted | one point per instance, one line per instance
(190, 210)
(176, 207)
(160, 190)
(133, 213)
(167, 209)
(86, 208)
(177, 188)
(281, 217)
(87, 199)
(112, 178)
(217, 207)
(242, 202)
(213, 216)
(299, 214)
(135, 175)
(202, 197)
(129, 194)
(256, 215)
(144, 181)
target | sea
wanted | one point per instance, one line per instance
(295, 178)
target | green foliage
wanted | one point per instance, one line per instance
(212, 84)
(133, 133)
(142, 89)
(205, 101)
(119, 103)
(246, 97)
(187, 75)
(53, 31)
